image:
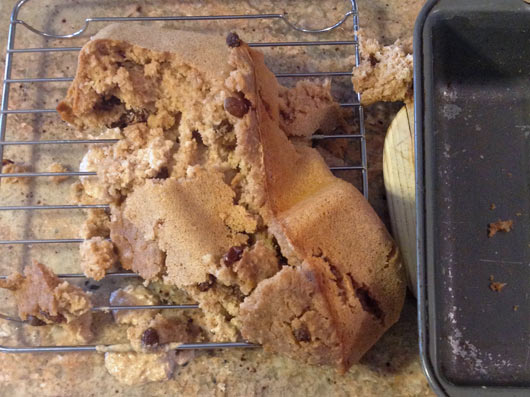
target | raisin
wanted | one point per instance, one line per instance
(237, 107)
(302, 334)
(233, 255)
(205, 286)
(150, 337)
(233, 40)
(368, 303)
(34, 321)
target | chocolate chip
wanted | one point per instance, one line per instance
(302, 334)
(150, 337)
(34, 321)
(237, 107)
(205, 286)
(233, 255)
(233, 40)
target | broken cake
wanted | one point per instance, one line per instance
(384, 72)
(209, 195)
(42, 298)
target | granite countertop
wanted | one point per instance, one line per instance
(391, 368)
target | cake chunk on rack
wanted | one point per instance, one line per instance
(253, 226)
(42, 298)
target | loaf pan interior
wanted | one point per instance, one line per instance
(477, 171)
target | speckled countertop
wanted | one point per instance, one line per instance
(391, 368)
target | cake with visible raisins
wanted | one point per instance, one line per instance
(253, 226)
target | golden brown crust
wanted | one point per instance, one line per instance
(326, 224)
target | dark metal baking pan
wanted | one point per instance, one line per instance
(472, 107)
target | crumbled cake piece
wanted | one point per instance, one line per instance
(134, 251)
(499, 226)
(159, 331)
(308, 107)
(96, 224)
(39, 293)
(148, 332)
(384, 73)
(139, 368)
(133, 295)
(235, 190)
(57, 167)
(193, 220)
(141, 153)
(97, 257)
(10, 167)
(250, 267)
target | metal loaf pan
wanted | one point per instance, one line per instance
(472, 107)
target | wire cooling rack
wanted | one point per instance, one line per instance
(11, 53)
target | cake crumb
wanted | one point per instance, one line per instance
(499, 226)
(515, 308)
(492, 206)
(140, 368)
(57, 167)
(10, 167)
(97, 256)
(518, 214)
(495, 285)
(384, 74)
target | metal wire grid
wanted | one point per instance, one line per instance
(5, 111)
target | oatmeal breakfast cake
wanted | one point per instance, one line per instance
(214, 190)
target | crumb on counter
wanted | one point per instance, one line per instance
(515, 308)
(140, 368)
(58, 167)
(10, 167)
(499, 226)
(492, 206)
(496, 286)
(97, 256)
